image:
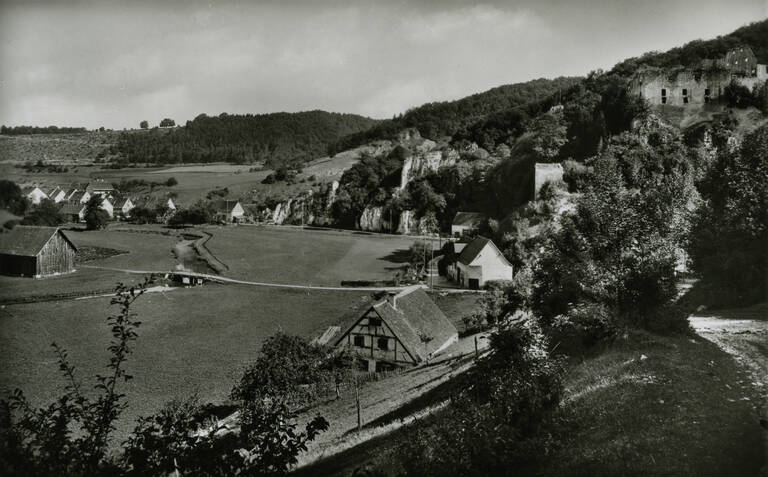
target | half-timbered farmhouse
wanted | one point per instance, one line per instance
(402, 329)
(31, 251)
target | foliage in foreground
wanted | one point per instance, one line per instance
(492, 427)
(72, 435)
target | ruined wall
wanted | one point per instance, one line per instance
(680, 88)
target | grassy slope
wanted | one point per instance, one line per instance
(679, 412)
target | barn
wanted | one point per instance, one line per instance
(479, 262)
(31, 251)
(401, 329)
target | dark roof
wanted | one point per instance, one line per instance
(470, 252)
(223, 205)
(71, 208)
(28, 240)
(414, 313)
(468, 219)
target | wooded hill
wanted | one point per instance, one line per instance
(278, 139)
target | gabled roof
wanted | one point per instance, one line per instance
(223, 205)
(72, 208)
(413, 314)
(120, 200)
(468, 219)
(28, 240)
(471, 251)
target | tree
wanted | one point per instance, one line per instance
(95, 216)
(71, 435)
(144, 124)
(11, 198)
(167, 123)
(171, 182)
(45, 213)
(730, 230)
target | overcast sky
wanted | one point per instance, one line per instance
(113, 64)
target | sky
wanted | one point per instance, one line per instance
(113, 64)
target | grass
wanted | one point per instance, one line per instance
(191, 340)
(681, 411)
(306, 257)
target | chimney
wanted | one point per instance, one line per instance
(392, 298)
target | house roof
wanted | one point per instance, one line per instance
(413, 314)
(468, 219)
(72, 208)
(224, 205)
(28, 240)
(471, 251)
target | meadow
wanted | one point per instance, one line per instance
(192, 340)
(306, 256)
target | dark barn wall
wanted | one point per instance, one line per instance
(57, 256)
(16, 265)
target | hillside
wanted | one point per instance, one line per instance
(755, 35)
(278, 139)
(68, 148)
(440, 119)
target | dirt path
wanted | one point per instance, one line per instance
(743, 333)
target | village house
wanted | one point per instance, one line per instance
(228, 210)
(57, 194)
(100, 187)
(32, 251)
(401, 329)
(122, 206)
(35, 194)
(465, 223)
(73, 211)
(480, 262)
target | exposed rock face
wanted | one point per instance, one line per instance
(373, 219)
(310, 208)
(426, 160)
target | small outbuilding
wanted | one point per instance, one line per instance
(401, 329)
(229, 210)
(32, 251)
(465, 223)
(481, 261)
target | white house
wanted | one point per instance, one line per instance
(480, 262)
(170, 204)
(229, 210)
(123, 205)
(57, 194)
(466, 222)
(36, 195)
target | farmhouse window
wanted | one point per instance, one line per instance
(374, 321)
(383, 343)
(360, 341)
(685, 92)
(685, 99)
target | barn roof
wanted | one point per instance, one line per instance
(468, 219)
(471, 251)
(28, 240)
(413, 314)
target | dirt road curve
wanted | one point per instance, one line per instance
(743, 333)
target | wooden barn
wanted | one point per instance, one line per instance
(31, 251)
(402, 329)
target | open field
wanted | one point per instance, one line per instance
(191, 340)
(306, 257)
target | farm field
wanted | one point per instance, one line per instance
(306, 257)
(191, 339)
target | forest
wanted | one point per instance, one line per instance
(276, 139)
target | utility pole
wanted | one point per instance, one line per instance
(357, 403)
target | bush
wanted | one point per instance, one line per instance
(584, 326)
(171, 182)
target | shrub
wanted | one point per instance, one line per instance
(584, 326)
(171, 182)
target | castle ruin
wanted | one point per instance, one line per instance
(702, 84)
